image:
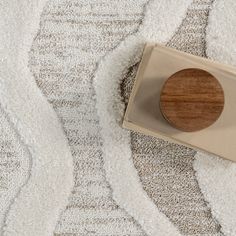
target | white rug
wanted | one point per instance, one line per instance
(66, 165)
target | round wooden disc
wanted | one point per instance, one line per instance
(191, 100)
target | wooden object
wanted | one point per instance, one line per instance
(191, 100)
(143, 113)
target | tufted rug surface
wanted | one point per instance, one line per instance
(67, 168)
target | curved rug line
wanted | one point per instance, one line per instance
(15, 166)
(166, 169)
(36, 210)
(217, 177)
(73, 36)
(120, 170)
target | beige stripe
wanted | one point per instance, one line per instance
(71, 39)
(165, 169)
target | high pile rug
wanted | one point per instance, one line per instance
(67, 168)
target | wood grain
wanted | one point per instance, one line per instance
(191, 100)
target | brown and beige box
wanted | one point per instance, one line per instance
(143, 112)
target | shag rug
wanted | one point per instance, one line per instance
(67, 168)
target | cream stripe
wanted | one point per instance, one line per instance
(217, 177)
(120, 172)
(37, 208)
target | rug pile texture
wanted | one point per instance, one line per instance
(67, 168)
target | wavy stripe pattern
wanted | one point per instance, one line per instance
(38, 205)
(165, 169)
(73, 37)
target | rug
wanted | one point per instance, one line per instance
(66, 166)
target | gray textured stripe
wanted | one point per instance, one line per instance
(73, 36)
(190, 36)
(165, 169)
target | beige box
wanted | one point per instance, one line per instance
(143, 113)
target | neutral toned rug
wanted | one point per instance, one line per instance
(66, 166)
